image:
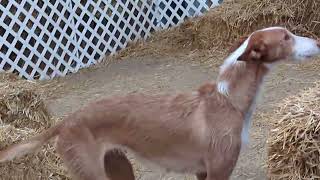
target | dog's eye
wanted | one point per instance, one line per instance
(287, 37)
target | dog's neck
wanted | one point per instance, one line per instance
(240, 82)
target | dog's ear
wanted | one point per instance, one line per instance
(237, 43)
(255, 50)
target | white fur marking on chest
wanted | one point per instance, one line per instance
(248, 118)
(246, 125)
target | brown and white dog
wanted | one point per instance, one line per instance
(199, 132)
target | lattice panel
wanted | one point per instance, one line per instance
(106, 27)
(36, 38)
(173, 12)
(42, 39)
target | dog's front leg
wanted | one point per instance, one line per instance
(217, 171)
(221, 162)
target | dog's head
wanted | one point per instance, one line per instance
(276, 44)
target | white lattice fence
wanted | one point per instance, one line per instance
(48, 38)
(172, 12)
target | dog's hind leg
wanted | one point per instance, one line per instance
(117, 166)
(82, 155)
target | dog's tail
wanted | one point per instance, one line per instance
(28, 146)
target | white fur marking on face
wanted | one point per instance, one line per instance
(223, 87)
(304, 48)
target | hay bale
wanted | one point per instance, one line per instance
(24, 108)
(22, 115)
(223, 24)
(21, 102)
(294, 143)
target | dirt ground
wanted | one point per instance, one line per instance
(163, 74)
